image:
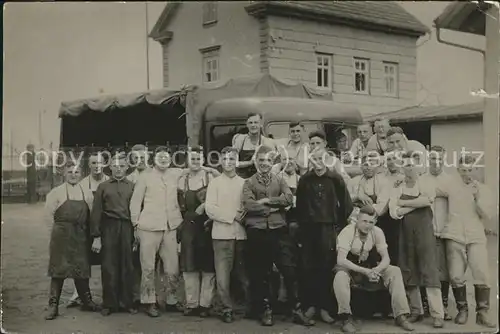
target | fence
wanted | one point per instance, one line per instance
(26, 185)
(22, 184)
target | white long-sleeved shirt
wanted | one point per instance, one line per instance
(89, 185)
(223, 204)
(422, 187)
(440, 208)
(465, 225)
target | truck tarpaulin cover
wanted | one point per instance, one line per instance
(197, 98)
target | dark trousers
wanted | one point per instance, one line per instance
(117, 271)
(266, 247)
(136, 262)
(56, 285)
(318, 257)
(391, 229)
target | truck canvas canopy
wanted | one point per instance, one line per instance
(161, 116)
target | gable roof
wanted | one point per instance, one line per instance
(433, 113)
(386, 16)
(468, 17)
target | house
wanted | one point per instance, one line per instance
(439, 125)
(482, 18)
(363, 52)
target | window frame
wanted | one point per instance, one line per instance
(366, 72)
(394, 76)
(208, 55)
(209, 7)
(322, 68)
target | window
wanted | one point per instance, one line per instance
(323, 70)
(209, 12)
(281, 130)
(222, 136)
(391, 78)
(361, 76)
(210, 65)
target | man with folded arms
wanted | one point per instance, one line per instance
(265, 197)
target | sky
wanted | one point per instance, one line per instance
(80, 50)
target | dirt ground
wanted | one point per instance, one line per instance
(25, 238)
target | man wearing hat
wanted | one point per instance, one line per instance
(112, 230)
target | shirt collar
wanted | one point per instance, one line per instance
(124, 180)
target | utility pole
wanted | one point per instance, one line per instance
(147, 45)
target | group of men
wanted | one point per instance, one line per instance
(386, 223)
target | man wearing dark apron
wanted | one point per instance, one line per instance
(197, 254)
(412, 202)
(363, 262)
(247, 144)
(69, 249)
(89, 185)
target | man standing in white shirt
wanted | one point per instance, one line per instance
(441, 180)
(470, 207)
(156, 228)
(224, 206)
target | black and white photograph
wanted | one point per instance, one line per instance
(250, 166)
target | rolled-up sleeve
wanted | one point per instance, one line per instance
(485, 202)
(383, 195)
(52, 203)
(394, 195)
(428, 189)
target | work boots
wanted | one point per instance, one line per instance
(300, 318)
(460, 295)
(82, 286)
(482, 294)
(267, 315)
(445, 292)
(56, 285)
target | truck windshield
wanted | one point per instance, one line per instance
(280, 130)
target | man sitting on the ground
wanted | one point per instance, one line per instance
(363, 262)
